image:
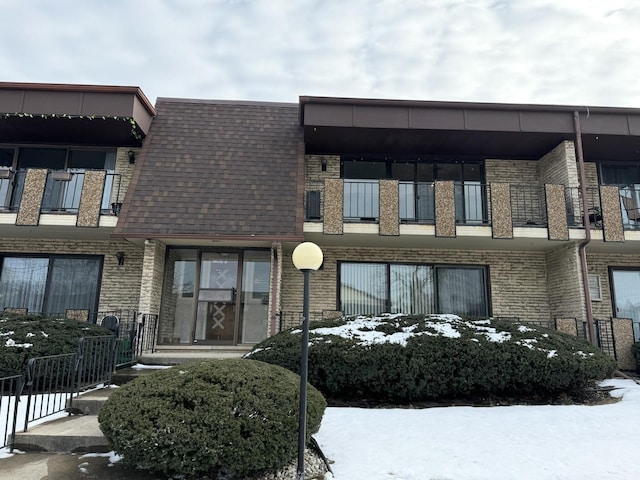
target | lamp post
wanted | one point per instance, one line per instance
(307, 257)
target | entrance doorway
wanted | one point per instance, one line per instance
(215, 297)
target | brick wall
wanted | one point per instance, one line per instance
(564, 280)
(120, 285)
(511, 171)
(599, 264)
(559, 166)
(517, 279)
(125, 170)
(152, 276)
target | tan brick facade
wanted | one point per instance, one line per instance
(152, 276)
(517, 279)
(120, 285)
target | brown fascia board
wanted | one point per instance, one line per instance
(188, 236)
(82, 88)
(466, 116)
(586, 109)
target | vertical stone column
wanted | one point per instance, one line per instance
(501, 221)
(389, 209)
(623, 339)
(31, 201)
(91, 198)
(333, 206)
(611, 214)
(152, 276)
(556, 212)
(567, 325)
(445, 209)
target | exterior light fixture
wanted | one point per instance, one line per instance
(307, 257)
(132, 156)
(120, 257)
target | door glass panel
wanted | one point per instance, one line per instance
(363, 288)
(412, 289)
(626, 292)
(216, 315)
(23, 282)
(254, 297)
(178, 302)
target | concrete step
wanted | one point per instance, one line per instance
(78, 433)
(90, 403)
(125, 375)
(176, 357)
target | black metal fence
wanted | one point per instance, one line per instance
(528, 206)
(51, 383)
(293, 319)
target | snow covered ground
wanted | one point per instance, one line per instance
(493, 443)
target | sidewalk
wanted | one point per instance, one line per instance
(68, 466)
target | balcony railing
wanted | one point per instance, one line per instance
(417, 202)
(62, 192)
(361, 200)
(471, 203)
(528, 206)
(575, 210)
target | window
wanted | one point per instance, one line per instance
(371, 288)
(49, 285)
(63, 195)
(416, 188)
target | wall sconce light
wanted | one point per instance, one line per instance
(120, 257)
(324, 165)
(132, 156)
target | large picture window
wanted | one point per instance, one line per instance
(371, 288)
(49, 285)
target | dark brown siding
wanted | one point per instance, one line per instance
(217, 169)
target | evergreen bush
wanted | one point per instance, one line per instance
(27, 336)
(230, 417)
(403, 358)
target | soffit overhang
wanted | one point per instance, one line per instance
(473, 130)
(73, 114)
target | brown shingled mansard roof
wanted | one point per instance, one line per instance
(218, 169)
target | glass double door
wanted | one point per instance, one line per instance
(232, 297)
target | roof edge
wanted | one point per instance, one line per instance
(306, 99)
(70, 87)
(226, 102)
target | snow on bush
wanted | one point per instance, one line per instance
(397, 357)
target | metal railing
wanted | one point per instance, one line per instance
(290, 319)
(528, 206)
(575, 210)
(62, 192)
(417, 202)
(10, 391)
(314, 201)
(361, 200)
(471, 203)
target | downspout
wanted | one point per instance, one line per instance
(587, 229)
(275, 284)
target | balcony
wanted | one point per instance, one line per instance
(30, 195)
(453, 209)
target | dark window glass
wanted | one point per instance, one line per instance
(6, 157)
(51, 158)
(87, 159)
(448, 171)
(620, 175)
(364, 170)
(403, 171)
(372, 288)
(425, 172)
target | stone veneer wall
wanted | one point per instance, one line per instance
(152, 276)
(564, 280)
(518, 280)
(120, 285)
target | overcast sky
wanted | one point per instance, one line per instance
(578, 52)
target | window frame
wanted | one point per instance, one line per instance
(435, 266)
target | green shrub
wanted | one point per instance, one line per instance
(25, 337)
(230, 416)
(402, 358)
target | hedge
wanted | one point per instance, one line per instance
(404, 358)
(227, 417)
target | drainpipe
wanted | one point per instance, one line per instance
(273, 294)
(587, 228)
